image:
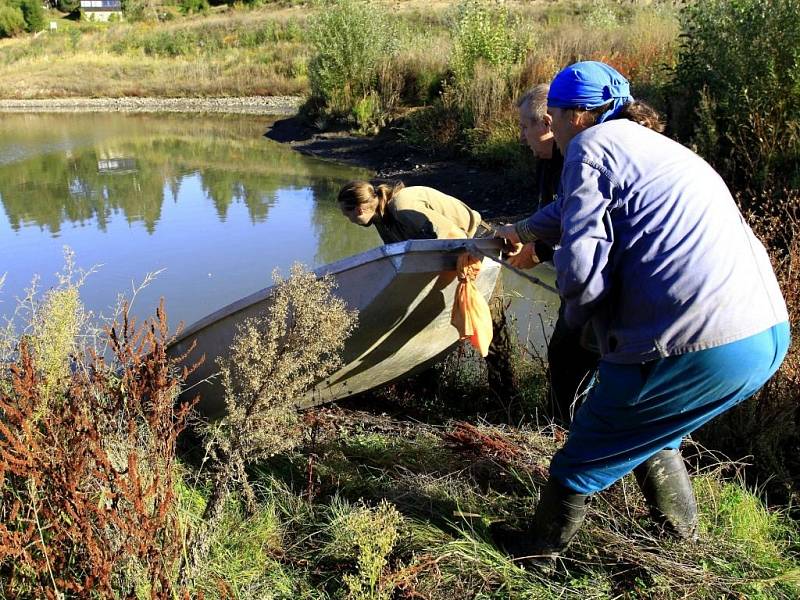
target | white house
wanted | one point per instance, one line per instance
(101, 10)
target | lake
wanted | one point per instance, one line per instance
(206, 202)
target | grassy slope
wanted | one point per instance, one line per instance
(441, 496)
(238, 52)
(233, 53)
(374, 507)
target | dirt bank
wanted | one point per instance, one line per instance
(495, 194)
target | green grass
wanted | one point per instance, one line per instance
(397, 508)
(372, 494)
(755, 544)
(234, 53)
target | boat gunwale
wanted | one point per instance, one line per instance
(347, 264)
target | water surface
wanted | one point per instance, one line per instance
(206, 201)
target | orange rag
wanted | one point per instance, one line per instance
(471, 315)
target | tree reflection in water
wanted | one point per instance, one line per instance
(195, 194)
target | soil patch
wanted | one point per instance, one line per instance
(498, 196)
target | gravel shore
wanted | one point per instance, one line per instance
(256, 105)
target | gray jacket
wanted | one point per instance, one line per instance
(652, 248)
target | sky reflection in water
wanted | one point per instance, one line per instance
(207, 199)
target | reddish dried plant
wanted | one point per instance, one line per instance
(779, 401)
(87, 487)
(490, 443)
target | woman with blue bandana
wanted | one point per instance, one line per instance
(653, 252)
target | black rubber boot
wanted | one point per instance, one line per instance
(558, 517)
(665, 484)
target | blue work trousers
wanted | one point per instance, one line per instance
(633, 411)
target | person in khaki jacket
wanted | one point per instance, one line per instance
(402, 213)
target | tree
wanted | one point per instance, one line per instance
(11, 21)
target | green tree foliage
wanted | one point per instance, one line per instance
(484, 32)
(33, 13)
(738, 75)
(17, 16)
(68, 6)
(350, 41)
(12, 21)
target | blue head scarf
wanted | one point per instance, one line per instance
(587, 85)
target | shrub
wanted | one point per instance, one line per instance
(367, 112)
(194, 6)
(486, 96)
(273, 360)
(68, 6)
(33, 13)
(484, 32)
(53, 340)
(499, 145)
(171, 43)
(12, 21)
(436, 128)
(369, 535)
(477, 119)
(474, 106)
(139, 10)
(350, 39)
(422, 71)
(86, 487)
(601, 15)
(767, 426)
(485, 116)
(738, 79)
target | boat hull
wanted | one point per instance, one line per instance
(403, 294)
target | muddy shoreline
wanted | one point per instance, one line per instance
(498, 196)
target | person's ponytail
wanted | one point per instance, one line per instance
(362, 192)
(385, 192)
(636, 111)
(643, 114)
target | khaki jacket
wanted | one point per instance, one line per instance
(418, 213)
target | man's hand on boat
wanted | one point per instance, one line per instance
(524, 258)
(517, 254)
(508, 233)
